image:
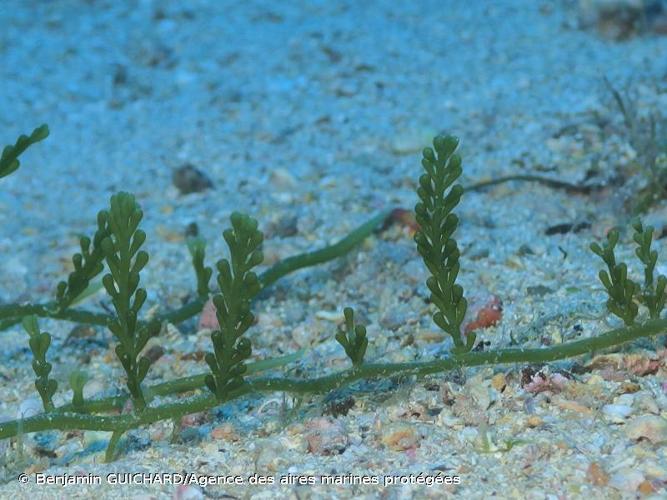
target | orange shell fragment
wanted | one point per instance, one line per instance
(487, 316)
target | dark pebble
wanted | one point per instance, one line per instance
(189, 179)
(284, 227)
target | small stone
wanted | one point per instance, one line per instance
(654, 470)
(268, 321)
(469, 434)
(93, 388)
(282, 179)
(616, 413)
(400, 438)
(498, 382)
(414, 272)
(646, 488)
(628, 388)
(269, 456)
(194, 419)
(284, 227)
(64, 450)
(540, 382)
(534, 421)
(81, 332)
(480, 254)
(567, 404)
(596, 475)
(481, 395)
(225, 432)
(410, 141)
(302, 336)
(650, 427)
(626, 480)
(187, 492)
(525, 250)
(29, 408)
(466, 408)
(333, 316)
(625, 399)
(645, 402)
(392, 320)
(154, 353)
(168, 234)
(429, 336)
(447, 420)
(613, 19)
(326, 436)
(189, 179)
(640, 364)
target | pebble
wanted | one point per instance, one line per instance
(333, 316)
(187, 492)
(326, 436)
(645, 402)
(469, 434)
(596, 475)
(194, 419)
(646, 487)
(621, 19)
(626, 399)
(393, 320)
(414, 272)
(429, 336)
(284, 227)
(67, 449)
(189, 179)
(481, 394)
(400, 437)
(498, 382)
(651, 427)
(302, 336)
(626, 479)
(269, 456)
(281, 179)
(411, 140)
(534, 421)
(617, 413)
(225, 432)
(30, 407)
(655, 470)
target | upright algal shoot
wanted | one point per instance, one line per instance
(125, 260)
(238, 286)
(624, 294)
(438, 196)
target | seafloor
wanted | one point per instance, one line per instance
(310, 116)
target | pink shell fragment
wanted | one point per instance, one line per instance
(208, 319)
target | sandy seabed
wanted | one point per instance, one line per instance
(310, 116)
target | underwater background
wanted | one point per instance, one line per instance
(311, 116)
